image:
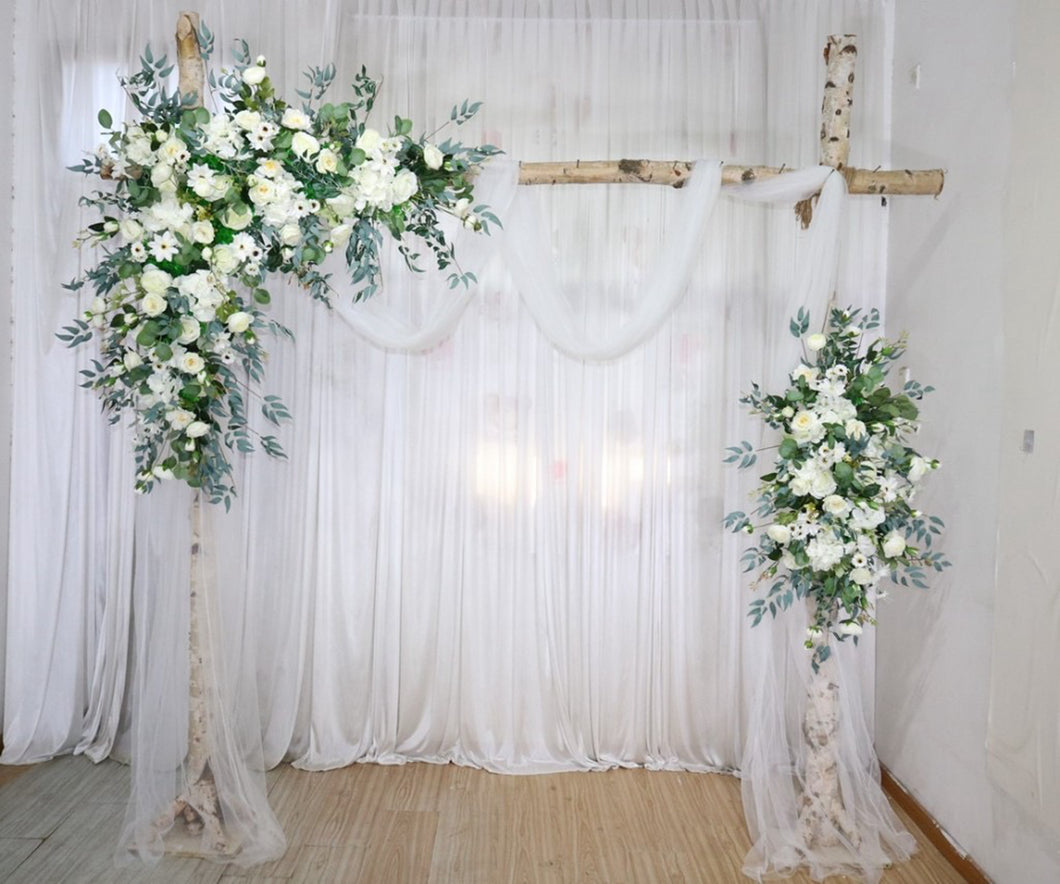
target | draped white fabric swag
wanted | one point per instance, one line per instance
(497, 537)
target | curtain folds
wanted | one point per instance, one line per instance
(496, 538)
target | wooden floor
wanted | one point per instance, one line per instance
(59, 822)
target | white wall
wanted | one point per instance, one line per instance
(973, 276)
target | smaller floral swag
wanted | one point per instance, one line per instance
(838, 505)
(205, 207)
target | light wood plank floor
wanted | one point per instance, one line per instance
(434, 824)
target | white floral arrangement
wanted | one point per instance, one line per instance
(205, 206)
(837, 508)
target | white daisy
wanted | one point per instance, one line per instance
(164, 247)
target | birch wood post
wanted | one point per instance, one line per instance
(198, 804)
(190, 67)
(840, 55)
(823, 818)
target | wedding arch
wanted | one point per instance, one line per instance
(626, 484)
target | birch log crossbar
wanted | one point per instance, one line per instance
(880, 182)
(840, 53)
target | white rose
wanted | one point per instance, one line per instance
(405, 185)
(779, 533)
(235, 219)
(293, 118)
(263, 192)
(432, 157)
(816, 342)
(239, 322)
(98, 305)
(290, 234)
(304, 144)
(189, 330)
(893, 545)
(866, 518)
(799, 486)
(153, 304)
(340, 235)
(138, 150)
(131, 229)
(850, 627)
(191, 363)
(461, 207)
(173, 149)
(253, 76)
(835, 504)
(806, 427)
(342, 205)
(823, 484)
(787, 411)
(918, 466)
(861, 576)
(327, 162)
(221, 184)
(854, 429)
(202, 232)
(132, 360)
(248, 120)
(179, 418)
(369, 141)
(160, 174)
(806, 372)
(225, 260)
(196, 429)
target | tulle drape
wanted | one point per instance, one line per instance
(161, 682)
(775, 759)
(480, 549)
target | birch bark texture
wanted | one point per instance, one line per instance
(674, 173)
(190, 67)
(198, 805)
(840, 56)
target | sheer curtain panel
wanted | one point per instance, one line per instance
(493, 543)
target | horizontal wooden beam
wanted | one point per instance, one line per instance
(880, 182)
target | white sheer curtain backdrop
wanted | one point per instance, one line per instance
(481, 549)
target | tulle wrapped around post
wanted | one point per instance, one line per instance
(811, 781)
(198, 775)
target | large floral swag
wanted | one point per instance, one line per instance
(203, 207)
(836, 511)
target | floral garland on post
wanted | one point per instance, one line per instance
(839, 500)
(205, 207)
